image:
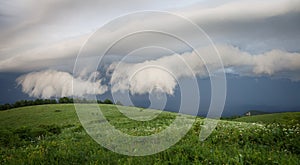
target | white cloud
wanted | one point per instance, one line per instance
(51, 83)
(142, 78)
(162, 73)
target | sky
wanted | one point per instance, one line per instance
(153, 49)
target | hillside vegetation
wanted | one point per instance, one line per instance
(52, 134)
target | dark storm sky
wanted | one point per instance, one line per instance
(258, 42)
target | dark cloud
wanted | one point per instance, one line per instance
(32, 26)
(260, 38)
(257, 36)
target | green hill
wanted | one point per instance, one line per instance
(283, 118)
(52, 134)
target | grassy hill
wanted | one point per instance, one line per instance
(52, 134)
(283, 118)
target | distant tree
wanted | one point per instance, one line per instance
(53, 101)
(64, 100)
(20, 103)
(23, 103)
(29, 102)
(45, 101)
(6, 106)
(38, 102)
(107, 101)
(71, 100)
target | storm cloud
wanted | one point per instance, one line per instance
(162, 73)
(254, 38)
(41, 35)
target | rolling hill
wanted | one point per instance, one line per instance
(283, 118)
(52, 134)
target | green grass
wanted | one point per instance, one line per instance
(32, 116)
(52, 134)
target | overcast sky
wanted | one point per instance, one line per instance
(40, 40)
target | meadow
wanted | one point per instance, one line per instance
(52, 134)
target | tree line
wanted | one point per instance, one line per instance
(62, 100)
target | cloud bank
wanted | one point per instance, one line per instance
(49, 35)
(162, 73)
(51, 83)
(29, 28)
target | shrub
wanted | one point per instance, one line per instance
(107, 101)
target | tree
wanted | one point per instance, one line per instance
(38, 101)
(20, 103)
(53, 101)
(107, 101)
(6, 106)
(64, 100)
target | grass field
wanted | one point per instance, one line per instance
(52, 134)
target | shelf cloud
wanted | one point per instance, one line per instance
(42, 41)
(51, 83)
(34, 38)
(162, 73)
